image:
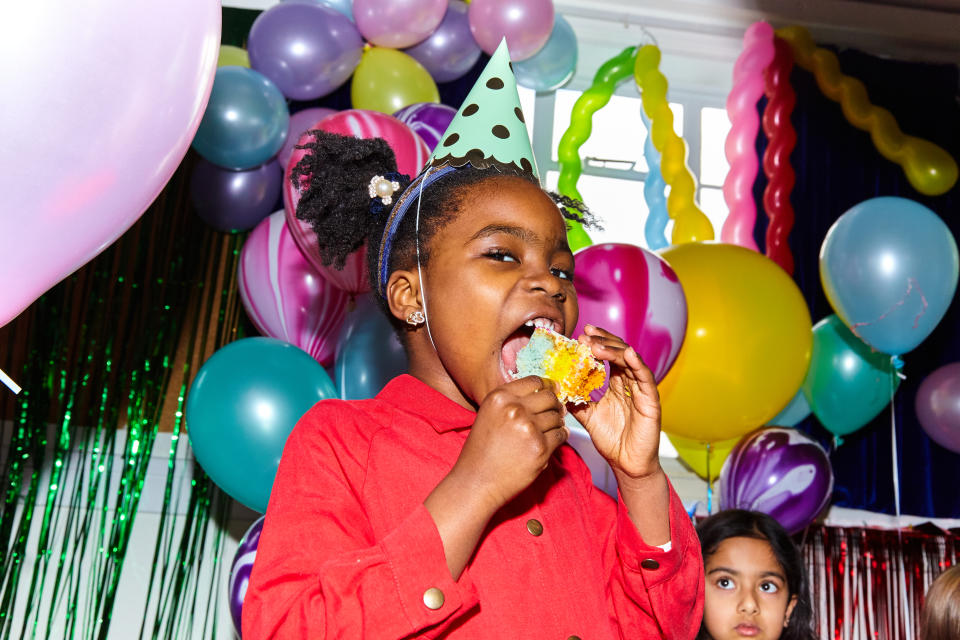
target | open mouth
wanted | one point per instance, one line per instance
(517, 341)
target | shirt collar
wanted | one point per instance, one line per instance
(413, 396)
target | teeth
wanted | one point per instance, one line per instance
(544, 323)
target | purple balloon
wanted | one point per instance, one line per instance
(780, 472)
(300, 123)
(450, 51)
(526, 24)
(634, 294)
(938, 406)
(398, 23)
(234, 200)
(240, 571)
(429, 120)
(307, 50)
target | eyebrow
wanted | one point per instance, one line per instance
(519, 232)
(765, 574)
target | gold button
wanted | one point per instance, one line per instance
(534, 527)
(574, 638)
(433, 598)
(650, 563)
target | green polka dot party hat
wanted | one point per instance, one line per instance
(489, 128)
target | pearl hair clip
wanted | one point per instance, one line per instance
(382, 188)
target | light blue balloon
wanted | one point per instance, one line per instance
(246, 120)
(889, 268)
(794, 413)
(343, 6)
(369, 353)
(554, 65)
(655, 229)
(241, 407)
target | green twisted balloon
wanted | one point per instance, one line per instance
(608, 76)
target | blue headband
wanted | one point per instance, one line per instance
(412, 193)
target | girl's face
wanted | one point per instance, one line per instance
(500, 266)
(746, 594)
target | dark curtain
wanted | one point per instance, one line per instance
(838, 167)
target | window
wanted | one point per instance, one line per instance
(614, 166)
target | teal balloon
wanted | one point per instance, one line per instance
(889, 268)
(848, 383)
(369, 354)
(241, 407)
(554, 65)
(246, 120)
(794, 413)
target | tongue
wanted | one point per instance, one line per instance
(511, 347)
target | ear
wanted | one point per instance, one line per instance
(403, 293)
(789, 612)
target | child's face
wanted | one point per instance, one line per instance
(502, 262)
(746, 594)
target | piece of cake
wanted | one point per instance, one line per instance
(569, 364)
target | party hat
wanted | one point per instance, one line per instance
(489, 128)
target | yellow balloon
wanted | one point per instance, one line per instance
(694, 454)
(747, 345)
(387, 80)
(930, 169)
(231, 56)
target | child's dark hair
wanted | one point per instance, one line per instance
(739, 523)
(333, 177)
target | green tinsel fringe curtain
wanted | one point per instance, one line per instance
(105, 359)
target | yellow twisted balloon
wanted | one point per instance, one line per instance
(929, 168)
(690, 224)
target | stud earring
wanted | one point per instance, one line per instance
(416, 318)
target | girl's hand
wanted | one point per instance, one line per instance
(518, 427)
(625, 424)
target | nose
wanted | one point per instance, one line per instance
(540, 280)
(748, 603)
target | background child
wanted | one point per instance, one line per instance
(756, 585)
(940, 619)
(447, 506)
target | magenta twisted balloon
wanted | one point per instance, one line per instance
(741, 154)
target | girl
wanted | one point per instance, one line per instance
(756, 585)
(448, 507)
(941, 610)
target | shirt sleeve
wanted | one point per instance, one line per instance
(652, 591)
(320, 572)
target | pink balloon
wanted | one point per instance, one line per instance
(747, 89)
(526, 24)
(284, 296)
(938, 406)
(85, 149)
(634, 294)
(411, 153)
(398, 23)
(300, 123)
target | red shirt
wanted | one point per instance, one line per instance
(349, 551)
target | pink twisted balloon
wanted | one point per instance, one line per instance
(758, 51)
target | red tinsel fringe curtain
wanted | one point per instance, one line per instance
(869, 583)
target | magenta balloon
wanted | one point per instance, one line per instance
(428, 120)
(938, 406)
(306, 49)
(450, 51)
(98, 112)
(284, 296)
(398, 23)
(526, 24)
(780, 472)
(300, 123)
(634, 294)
